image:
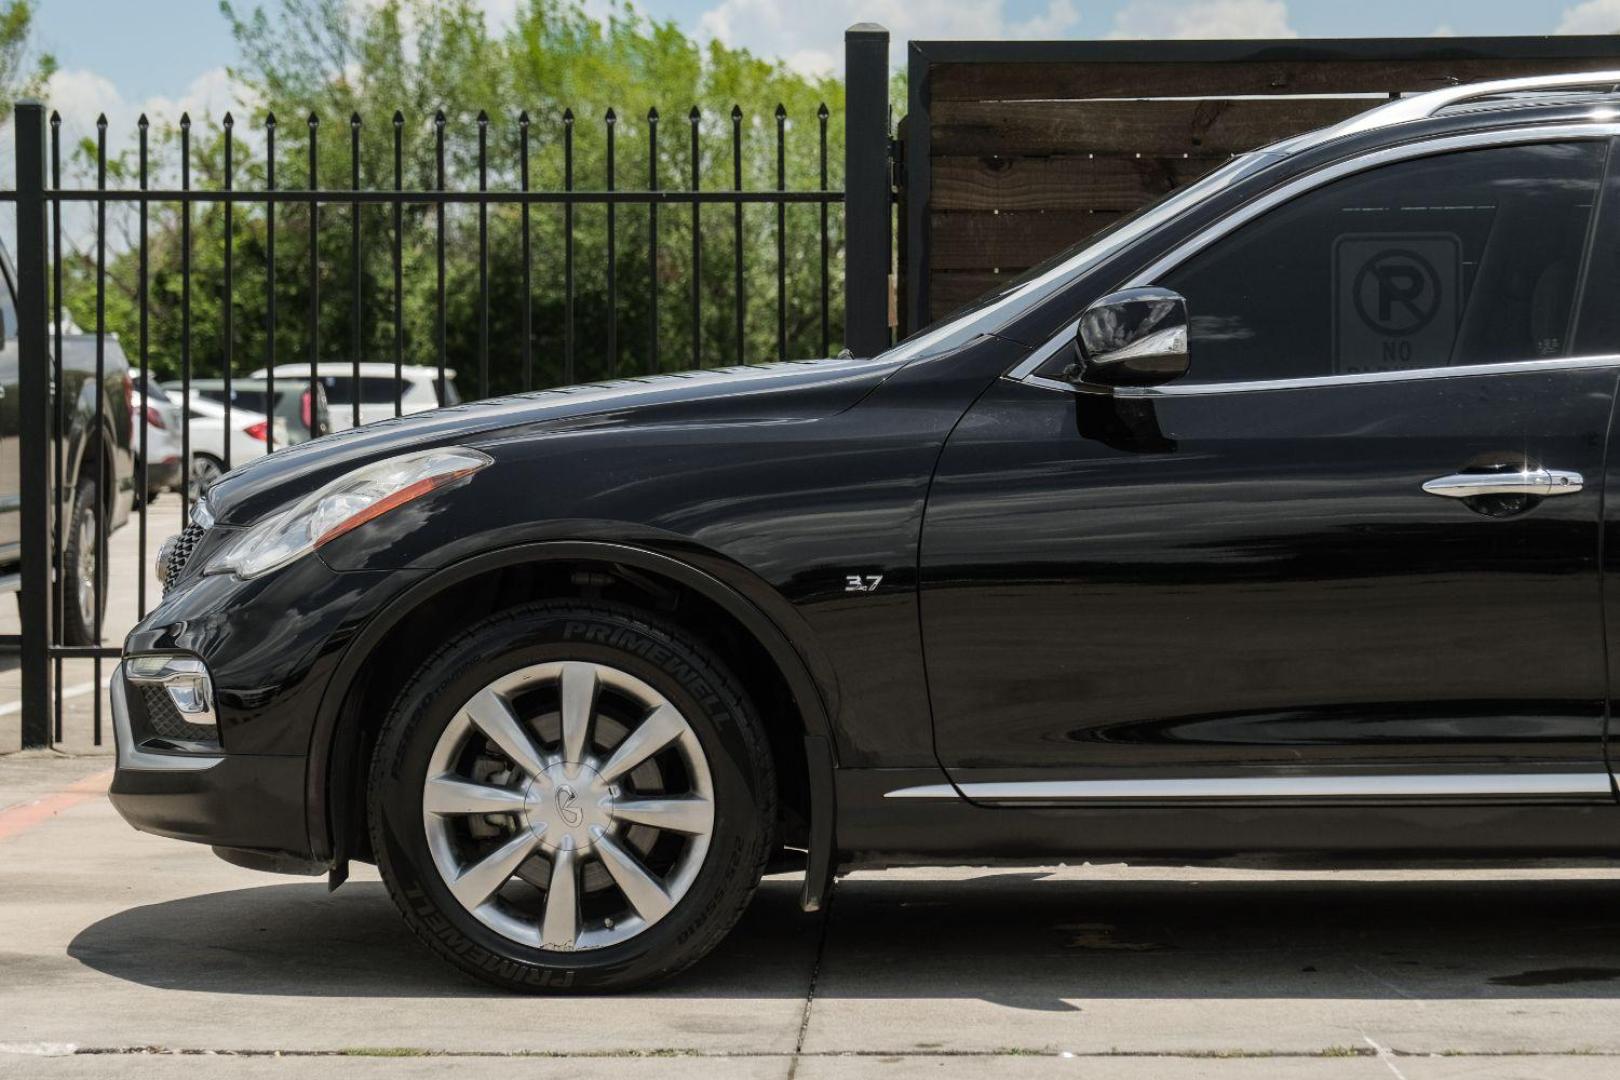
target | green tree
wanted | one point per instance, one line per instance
(351, 66)
(23, 73)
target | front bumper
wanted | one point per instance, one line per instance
(253, 801)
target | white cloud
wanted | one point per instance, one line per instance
(1203, 19)
(1591, 17)
(810, 36)
(80, 96)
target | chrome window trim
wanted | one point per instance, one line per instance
(1024, 370)
(1227, 788)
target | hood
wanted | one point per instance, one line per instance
(795, 390)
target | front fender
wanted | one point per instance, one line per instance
(773, 622)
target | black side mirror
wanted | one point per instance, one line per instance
(1136, 337)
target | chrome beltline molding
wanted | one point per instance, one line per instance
(1178, 789)
(1508, 367)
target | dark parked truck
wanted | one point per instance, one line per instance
(98, 468)
(1270, 520)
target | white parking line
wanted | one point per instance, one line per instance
(78, 690)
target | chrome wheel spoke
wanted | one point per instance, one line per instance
(560, 925)
(569, 806)
(480, 881)
(578, 702)
(644, 891)
(662, 727)
(684, 814)
(491, 714)
(452, 795)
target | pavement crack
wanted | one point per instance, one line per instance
(815, 975)
(1385, 1056)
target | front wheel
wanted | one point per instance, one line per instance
(572, 796)
(206, 469)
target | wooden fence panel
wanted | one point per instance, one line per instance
(1015, 151)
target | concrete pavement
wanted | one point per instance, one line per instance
(124, 955)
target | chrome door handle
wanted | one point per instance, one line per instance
(1543, 482)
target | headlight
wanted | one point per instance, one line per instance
(346, 503)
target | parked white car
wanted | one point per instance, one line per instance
(160, 412)
(248, 437)
(416, 390)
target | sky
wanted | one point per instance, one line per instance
(164, 56)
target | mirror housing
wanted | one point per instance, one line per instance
(1135, 337)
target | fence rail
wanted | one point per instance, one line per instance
(376, 220)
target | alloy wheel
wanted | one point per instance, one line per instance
(204, 472)
(88, 555)
(568, 806)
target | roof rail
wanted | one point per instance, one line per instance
(1423, 106)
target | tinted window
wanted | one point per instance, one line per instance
(1599, 315)
(374, 389)
(251, 400)
(1464, 258)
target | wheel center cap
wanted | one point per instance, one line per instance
(568, 806)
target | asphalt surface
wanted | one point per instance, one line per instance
(125, 955)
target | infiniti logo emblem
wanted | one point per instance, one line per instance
(571, 814)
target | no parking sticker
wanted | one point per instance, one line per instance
(1395, 301)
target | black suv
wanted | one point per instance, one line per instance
(1270, 520)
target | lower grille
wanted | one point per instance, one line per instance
(165, 721)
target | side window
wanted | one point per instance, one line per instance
(379, 390)
(1599, 331)
(339, 389)
(1471, 257)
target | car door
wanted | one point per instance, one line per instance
(1261, 578)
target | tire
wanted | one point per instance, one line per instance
(572, 808)
(206, 469)
(84, 598)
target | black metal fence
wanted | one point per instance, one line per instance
(63, 374)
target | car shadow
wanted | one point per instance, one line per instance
(299, 940)
(1026, 940)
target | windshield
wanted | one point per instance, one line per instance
(993, 309)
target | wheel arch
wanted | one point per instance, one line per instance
(337, 736)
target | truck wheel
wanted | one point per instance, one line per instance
(84, 593)
(569, 796)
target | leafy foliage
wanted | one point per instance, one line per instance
(22, 73)
(336, 72)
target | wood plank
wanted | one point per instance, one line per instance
(951, 289)
(1213, 126)
(1060, 183)
(1045, 81)
(980, 240)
